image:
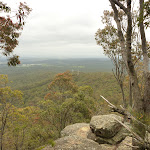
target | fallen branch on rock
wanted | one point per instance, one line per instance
(133, 133)
(125, 113)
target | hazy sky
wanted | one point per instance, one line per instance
(61, 28)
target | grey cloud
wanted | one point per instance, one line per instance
(59, 34)
(70, 31)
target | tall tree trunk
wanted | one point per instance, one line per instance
(145, 61)
(130, 94)
(141, 103)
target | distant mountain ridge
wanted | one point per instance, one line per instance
(72, 64)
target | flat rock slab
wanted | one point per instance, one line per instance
(74, 143)
(79, 129)
(105, 126)
(122, 146)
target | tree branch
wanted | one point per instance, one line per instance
(115, 109)
(123, 112)
(133, 133)
(120, 5)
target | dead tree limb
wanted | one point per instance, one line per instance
(124, 112)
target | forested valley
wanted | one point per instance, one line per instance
(39, 101)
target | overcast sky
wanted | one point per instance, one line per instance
(61, 28)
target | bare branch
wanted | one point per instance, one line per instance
(134, 134)
(108, 101)
(124, 112)
(146, 144)
(114, 108)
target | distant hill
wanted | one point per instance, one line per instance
(58, 65)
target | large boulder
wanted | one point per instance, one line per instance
(74, 143)
(124, 145)
(79, 129)
(103, 133)
(77, 143)
(105, 126)
(116, 139)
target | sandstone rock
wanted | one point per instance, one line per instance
(101, 140)
(105, 126)
(75, 143)
(79, 129)
(119, 137)
(108, 147)
(124, 144)
(121, 146)
(104, 133)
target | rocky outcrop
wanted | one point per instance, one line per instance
(79, 129)
(76, 143)
(105, 126)
(103, 133)
(117, 138)
(121, 146)
(105, 129)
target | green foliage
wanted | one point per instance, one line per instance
(18, 127)
(8, 97)
(30, 125)
(62, 82)
(10, 30)
(66, 103)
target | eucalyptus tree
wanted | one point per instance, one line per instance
(120, 36)
(66, 103)
(11, 24)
